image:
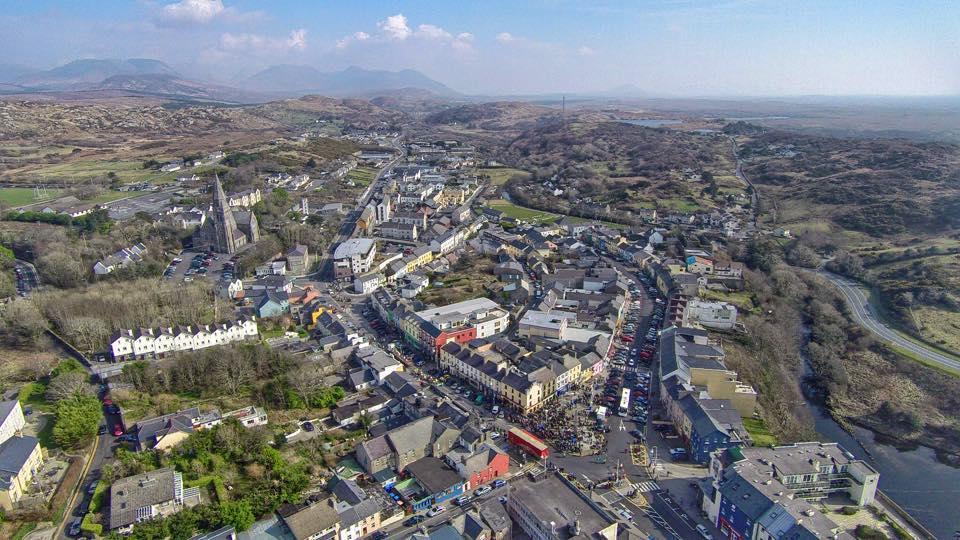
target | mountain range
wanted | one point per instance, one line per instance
(143, 76)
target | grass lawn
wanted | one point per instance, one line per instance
(23, 196)
(500, 175)
(759, 433)
(362, 176)
(680, 205)
(127, 171)
(33, 394)
(741, 299)
(521, 213)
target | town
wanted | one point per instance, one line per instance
(478, 373)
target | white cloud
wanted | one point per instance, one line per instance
(430, 31)
(297, 40)
(505, 37)
(192, 11)
(583, 50)
(356, 36)
(256, 43)
(395, 27)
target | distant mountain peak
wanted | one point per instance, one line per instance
(352, 81)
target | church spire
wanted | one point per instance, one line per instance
(219, 197)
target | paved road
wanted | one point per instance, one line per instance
(866, 315)
(348, 226)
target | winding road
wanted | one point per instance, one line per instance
(866, 315)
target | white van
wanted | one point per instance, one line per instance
(495, 410)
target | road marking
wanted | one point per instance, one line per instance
(646, 487)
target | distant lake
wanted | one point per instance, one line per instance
(652, 122)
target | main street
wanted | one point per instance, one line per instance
(348, 226)
(865, 314)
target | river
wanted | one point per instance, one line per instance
(915, 479)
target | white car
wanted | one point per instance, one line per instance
(482, 490)
(436, 511)
(704, 532)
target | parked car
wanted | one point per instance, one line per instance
(436, 511)
(117, 430)
(308, 426)
(413, 520)
(74, 528)
(482, 490)
(499, 482)
(461, 501)
(704, 532)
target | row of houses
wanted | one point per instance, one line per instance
(128, 344)
(121, 259)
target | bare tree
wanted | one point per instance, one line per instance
(305, 380)
(69, 385)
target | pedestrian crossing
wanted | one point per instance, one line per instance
(646, 487)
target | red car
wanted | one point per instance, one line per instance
(107, 402)
(117, 430)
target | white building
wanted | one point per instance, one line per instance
(357, 254)
(719, 315)
(148, 342)
(482, 313)
(11, 419)
(124, 257)
(369, 282)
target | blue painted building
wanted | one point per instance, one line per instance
(438, 480)
(708, 425)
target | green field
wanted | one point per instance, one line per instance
(759, 433)
(23, 196)
(520, 213)
(362, 176)
(500, 175)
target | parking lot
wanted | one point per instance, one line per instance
(191, 265)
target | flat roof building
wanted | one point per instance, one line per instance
(548, 507)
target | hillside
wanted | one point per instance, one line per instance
(305, 111)
(866, 189)
(620, 169)
(498, 115)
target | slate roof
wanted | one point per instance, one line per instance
(312, 519)
(433, 474)
(133, 492)
(14, 453)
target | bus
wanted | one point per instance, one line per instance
(528, 442)
(625, 402)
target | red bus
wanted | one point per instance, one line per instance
(528, 442)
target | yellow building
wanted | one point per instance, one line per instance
(20, 460)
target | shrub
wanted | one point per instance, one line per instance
(869, 533)
(849, 510)
(89, 525)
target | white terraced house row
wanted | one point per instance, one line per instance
(146, 342)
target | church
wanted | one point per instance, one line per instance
(225, 230)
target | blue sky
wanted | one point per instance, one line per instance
(666, 47)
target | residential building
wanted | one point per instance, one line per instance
(353, 257)
(396, 449)
(121, 259)
(478, 464)
(11, 419)
(20, 460)
(767, 493)
(716, 315)
(158, 342)
(147, 496)
(400, 231)
(298, 259)
(314, 522)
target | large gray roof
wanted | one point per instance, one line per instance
(133, 492)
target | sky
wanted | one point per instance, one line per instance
(489, 47)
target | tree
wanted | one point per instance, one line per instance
(77, 420)
(305, 380)
(237, 513)
(21, 324)
(69, 385)
(61, 269)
